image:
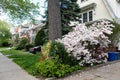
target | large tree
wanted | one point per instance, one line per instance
(54, 19)
(69, 13)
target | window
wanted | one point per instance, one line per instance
(83, 0)
(91, 16)
(86, 16)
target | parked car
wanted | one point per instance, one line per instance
(35, 49)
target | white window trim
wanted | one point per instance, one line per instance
(87, 16)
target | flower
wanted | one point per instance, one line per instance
(82, 37)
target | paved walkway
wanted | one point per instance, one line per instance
(11, 71)
(108, 72)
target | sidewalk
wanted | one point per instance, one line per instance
(11, 71)
(108, 72)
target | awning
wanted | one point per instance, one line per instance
(88, 7)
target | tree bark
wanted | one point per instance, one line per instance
(54, 20)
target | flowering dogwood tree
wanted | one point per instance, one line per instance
(81, 41)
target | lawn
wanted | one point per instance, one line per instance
(24, 59)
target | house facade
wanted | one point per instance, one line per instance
(92, 10)
(28, 31)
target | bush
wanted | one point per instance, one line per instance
(22, 43)
(19, 47)
(53, 49)
(46, 68)
(49, 68)
(6, 44)
(82, 38)
(40, 38)
(55, 61)
(64, 69)
(114, 37)
(28, 46)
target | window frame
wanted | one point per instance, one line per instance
(88, 16)
(85, 17)
(83, 0)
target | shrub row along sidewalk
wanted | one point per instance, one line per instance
(11, 71)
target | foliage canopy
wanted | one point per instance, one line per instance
(19, 9)
(4, 32)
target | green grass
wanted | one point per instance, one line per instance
(24, 59)
(3, 48)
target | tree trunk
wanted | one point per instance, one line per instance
(54, 20)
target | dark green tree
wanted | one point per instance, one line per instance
(70, 11)
(40, 38)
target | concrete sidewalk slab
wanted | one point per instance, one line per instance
(11, 71)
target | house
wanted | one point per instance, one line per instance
(92, 10)
(28, 30)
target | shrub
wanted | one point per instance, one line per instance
(64, 69)
(46, 68)
(55, 61)
(49, 68)
(28, 46)
(6, 43)
(19, 47)
(56, 49)
(79, 41)
(114, 37)
(40, 38)
(22, 43)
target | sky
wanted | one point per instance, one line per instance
(42, 9)
(41, 3)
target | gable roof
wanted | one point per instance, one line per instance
(112, 13)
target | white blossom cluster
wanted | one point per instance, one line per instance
(77, 41)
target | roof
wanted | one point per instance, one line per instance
(112, 13)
